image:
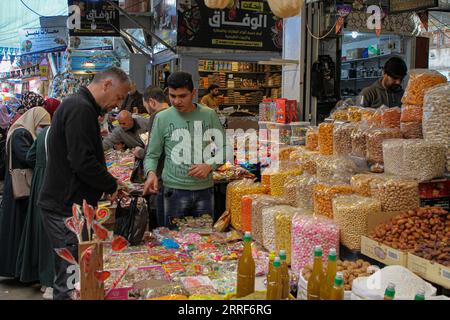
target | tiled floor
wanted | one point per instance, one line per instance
(11, 289)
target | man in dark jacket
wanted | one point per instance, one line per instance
(388, 90)
(133, 101)
(76, 168)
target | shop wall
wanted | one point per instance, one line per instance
(138, 70)
(292, 51)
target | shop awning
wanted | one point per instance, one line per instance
(19, 14)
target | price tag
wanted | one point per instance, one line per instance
(393, 255)
(445, 274)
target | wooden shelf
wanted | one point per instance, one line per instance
(372, 58)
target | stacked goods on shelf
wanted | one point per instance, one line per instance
(298, 191)
(235, 191)
(259, 202)
(395, 193)
(415, 159)
(436, 117)
(269, 216)
(323, 195)
(308, 232)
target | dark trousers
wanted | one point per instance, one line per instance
(61, 237)
(182, 203)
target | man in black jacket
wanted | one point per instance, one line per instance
(76, 168)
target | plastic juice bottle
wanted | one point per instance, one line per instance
(316, 276)
(246, 269)
(337, 291)
(285, 280)
(389, 294)
(274, 285)
(327, 283)
(271, 260)
(420, 295)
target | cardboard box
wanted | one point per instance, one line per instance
(431, 271)
(378, 251)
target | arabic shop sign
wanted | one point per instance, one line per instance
(97, 18)
(397, 6)
(42, 40)
(83, 61)
(248, 25)
(91, 43)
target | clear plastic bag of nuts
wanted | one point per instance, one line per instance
(245, 187)
(361, 182)
(351, 213)
(436, 117)
(411, 113)
(396, 194)
(278, 178)
(375, 138)
(414, 159)
(283, 223)
(359, 140)
(323, 194)
(268, 224)
(259, 202)
(308, 161)
(326, 138)
(419, 81)
(342, 138)
(298, 191)
(411, 130)
(335, 168)
(390, 118)
(312, 139)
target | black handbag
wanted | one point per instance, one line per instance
(137, 175)
(131, 222)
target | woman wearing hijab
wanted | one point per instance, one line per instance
(4, 124)
(35, 261)
(29, 100)
(20, 138)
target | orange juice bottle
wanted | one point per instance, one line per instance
(389, 294)
(246, 269)
(274, 285)
(337, 291)
(316, 276)
(328, 280)
(285, 280)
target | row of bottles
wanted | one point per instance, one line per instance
(278, 281)
(321, 286)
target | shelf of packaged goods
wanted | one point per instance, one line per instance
(372, 58)
(239, 104)
(271, 87)
(360, 79)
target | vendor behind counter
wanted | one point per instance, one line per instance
(388, 90)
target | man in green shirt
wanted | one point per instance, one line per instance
(189, 134)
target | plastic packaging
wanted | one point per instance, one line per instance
(299, 129)
(165, 290)
(278, 178)
(268, 224)
(285, 152)
(390, 118)
(411, 130)
(361, 182)
(312, 139)
(267, 111)
(354, 114)
(359, 141)
(326, 138)
(335, 168)
(415, 159)
(238, 190)
(342, 138)
(285, 133)
(436, 117)
(419, 81)
(259, 202)
(307, 161)
(411, 113)
(350, 214)
(298, 191)
(308, 232)
(323, 195)
(396, 194)
(377, 118)
(283, 229)
(375, 138)
(367, 114)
